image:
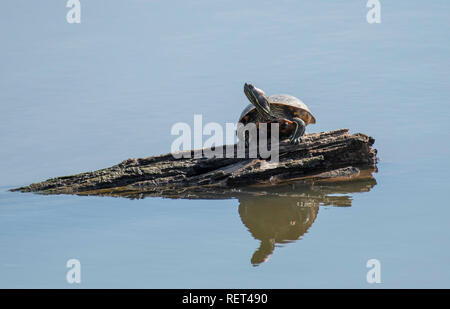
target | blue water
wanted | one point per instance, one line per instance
(79, 97)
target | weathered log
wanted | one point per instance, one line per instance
(326, 155)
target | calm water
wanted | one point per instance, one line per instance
(78, 97)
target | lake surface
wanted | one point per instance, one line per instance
(80, 97)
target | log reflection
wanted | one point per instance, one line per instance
(285, 214)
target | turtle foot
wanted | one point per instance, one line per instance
(296, 141)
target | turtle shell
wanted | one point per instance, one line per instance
(282, 106)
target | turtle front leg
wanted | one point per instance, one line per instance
(296, 137)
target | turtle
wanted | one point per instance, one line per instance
(290, 112)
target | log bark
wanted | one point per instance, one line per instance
(326, 155)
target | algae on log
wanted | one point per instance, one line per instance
(325, 155)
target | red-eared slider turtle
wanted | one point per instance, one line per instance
(292, 114)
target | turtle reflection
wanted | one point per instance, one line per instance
(285, 215)
(275, 220)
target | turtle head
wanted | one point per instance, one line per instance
(259, 99)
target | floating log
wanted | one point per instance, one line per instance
(321, 156)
